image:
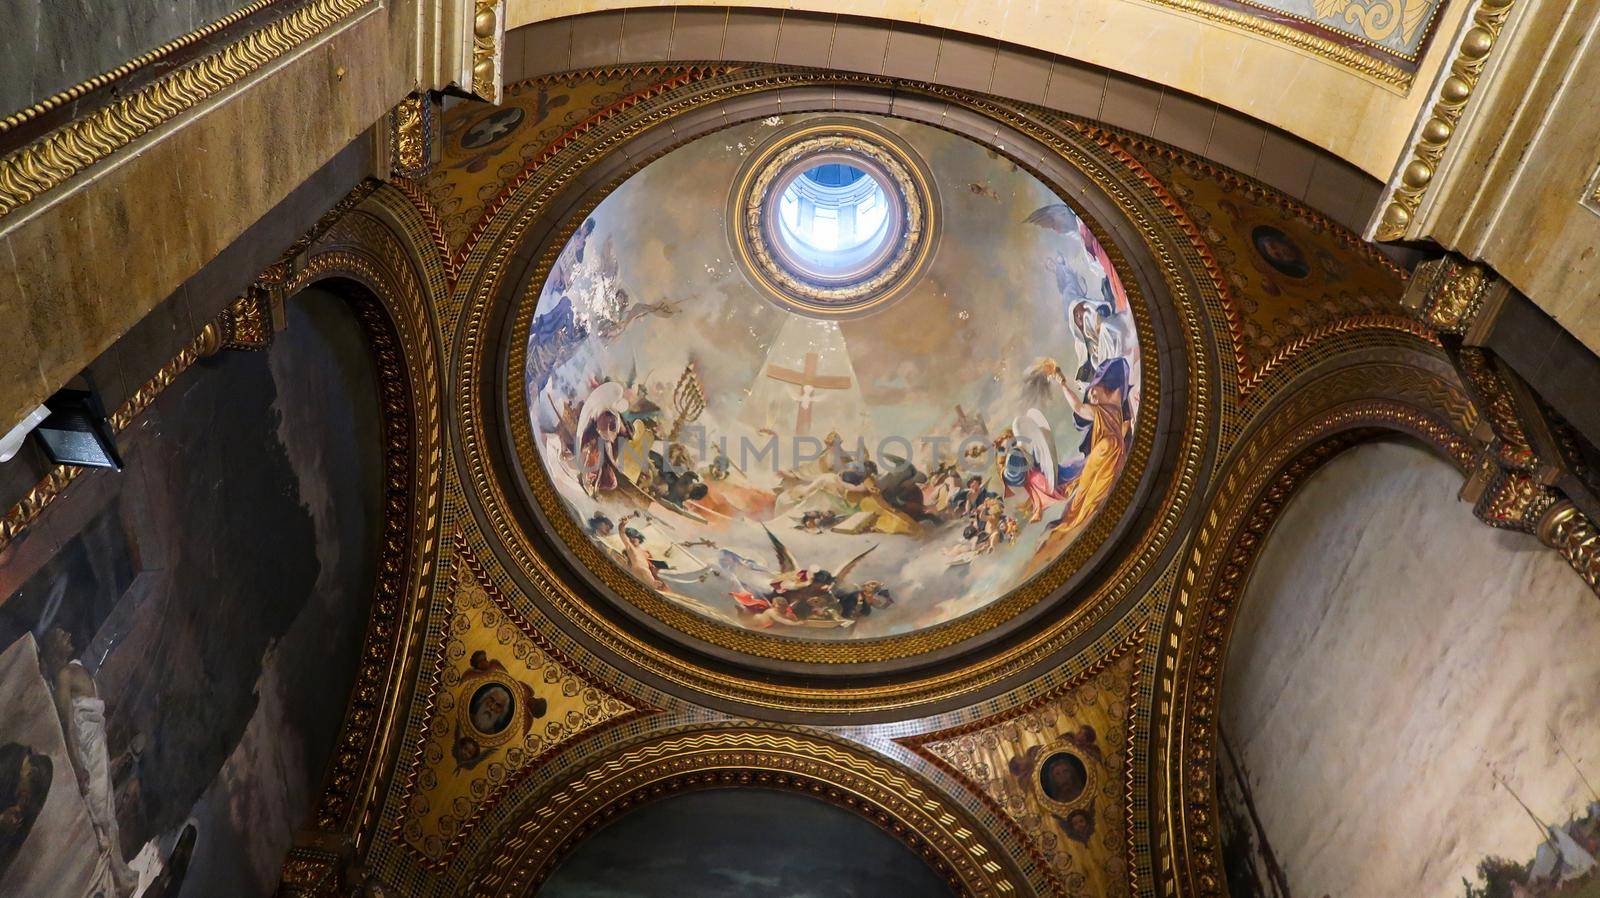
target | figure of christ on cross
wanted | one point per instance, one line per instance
(809, 382)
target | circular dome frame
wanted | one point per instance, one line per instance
(791, 282)
(597, 606)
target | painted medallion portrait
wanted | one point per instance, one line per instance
(491, 708)
(833, 378)
(1280, 251)
(1062, 776)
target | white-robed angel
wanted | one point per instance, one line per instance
(1100, 332)
(602, 426)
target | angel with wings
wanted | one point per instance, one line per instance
(799, 596)
(1027, 460)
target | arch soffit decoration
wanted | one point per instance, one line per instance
(516, 859)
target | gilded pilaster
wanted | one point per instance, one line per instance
(1531, 474)
(1428, 144)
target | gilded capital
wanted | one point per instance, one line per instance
(1448, 293)
(413, 135)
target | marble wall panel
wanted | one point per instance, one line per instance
(64, 42)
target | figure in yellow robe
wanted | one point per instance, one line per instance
(1105, 410)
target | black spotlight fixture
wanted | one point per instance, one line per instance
(76, 432)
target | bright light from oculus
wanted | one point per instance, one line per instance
(834, 216)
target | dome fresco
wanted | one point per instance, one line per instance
(914, 440)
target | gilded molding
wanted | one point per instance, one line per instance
(523, 853)
(247, 322)
(133, 65)
(1428, 144)
(312, 872)
(1358, 61)
(53, 159)
(398, 321)
(1509, 499)
(913, 194)
(1512, 446)
(488, 36)
(413, 129)
(1525, 477)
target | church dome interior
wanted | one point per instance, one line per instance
(497, 449)
(825, 465)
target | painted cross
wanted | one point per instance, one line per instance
(809, 382)
(492, 127)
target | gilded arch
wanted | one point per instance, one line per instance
(1408, 391)
(520, 856)
(375, 249)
